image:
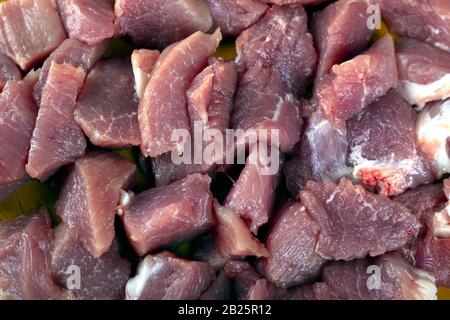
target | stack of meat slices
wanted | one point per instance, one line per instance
(352, 204)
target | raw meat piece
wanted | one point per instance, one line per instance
(253, 195)
(387, 277)
(57, 139)
(281, 40)
(18, 113)
(163, 107)
(422, 199)
(219, 290)
(291, 241)
(108, 105)
(433, 135)
(316, 291)
(90, 21)
(263, 102)
(90, 197)
(25, 260)
(234, 16)
(320, 155)
(340, 31)
(162, 22)
(8, 71)
(101, 278)
(166, 277)
(424, 72)
(264, 290)
(73, 52)
(143, 62)
(354, 222)
(243, 275)
(433, 256)
(382, 147)
(283, 2)
(441, 218)
(233, 237)
(161, 216)
(29, 30)
(205, 249)
(210, 100)
(425, 20)
(367, 77)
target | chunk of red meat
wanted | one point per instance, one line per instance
(102, 278)
(387, 277)
(90, 21)
(143, 62)
(57, 139)
(264, 107)
(340, 31)
(18, 113)
(107, 106)
(354, 222)
(233, 238)
(220, 289)
(233, 17)
(73, 52)
(25, 259)
(29, 30)
(424, 72)
(422, 199)
(280, 40)
(166, 277)
(8, 71)
(159, 23)
(427, 20)
(353, 85)
(244, 277)
(291, 241)
(316, 291)
(433, 256)
(163, 107)
(382, 147)
(90, 196)
(161, 216)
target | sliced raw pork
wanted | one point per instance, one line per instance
(143, 62)
(107, 106)
(29, 30)
(90, 21)
(425, 20)
(25, 259)
(253, 195)
(280, 40)
(234, 16)
(291, 241)
(387, 277)
(159, 23)
(382, 147)
(163, 107)
(210, 101)
(90, 197)
(164, 215)
(354, 222)
(233, 237)
(57, 139)
(166, 277)
(73, 52)
(264, 107)
(355, 84)
(433, 135)
(8, 71)
(18, 113)
(102, 278)
(340, 31)
(320, 155)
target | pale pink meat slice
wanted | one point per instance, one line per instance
(107, 106)
(163, 107)
(159, 23)
(143, 62)
(57, 139)
(164, 215)
(166, 277)
(29, 30)
(90, 21)
(90, 196)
